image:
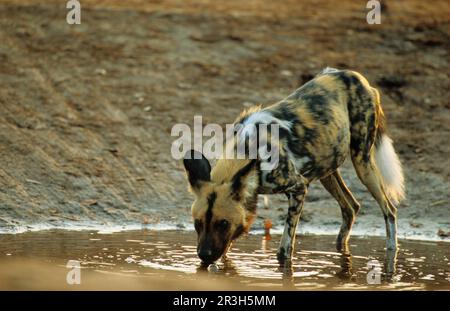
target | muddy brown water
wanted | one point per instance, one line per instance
(147, 259)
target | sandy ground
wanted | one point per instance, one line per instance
(86, 110)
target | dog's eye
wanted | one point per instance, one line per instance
(223, 225)
(198, 225)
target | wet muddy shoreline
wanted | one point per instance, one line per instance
(152, 260)
(360, 230)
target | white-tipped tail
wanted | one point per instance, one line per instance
(391, 169)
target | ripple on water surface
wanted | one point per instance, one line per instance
(251, 262)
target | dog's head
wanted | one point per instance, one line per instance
(220, 210)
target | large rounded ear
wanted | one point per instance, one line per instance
(197, 169)
(242, 183)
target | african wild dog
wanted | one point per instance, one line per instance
(336, 112)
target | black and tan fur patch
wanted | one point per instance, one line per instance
(336, 112)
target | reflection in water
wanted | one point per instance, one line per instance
(288, 276)
(250, 262)
(287, 271)
(346, 273)
(390, 265)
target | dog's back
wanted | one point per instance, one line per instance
(322, 119)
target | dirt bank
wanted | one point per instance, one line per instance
(86, 110)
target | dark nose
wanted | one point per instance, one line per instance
(205, 255)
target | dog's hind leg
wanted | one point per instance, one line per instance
(336, 186)
(369, 175)
(375, 160)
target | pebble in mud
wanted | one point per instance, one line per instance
(213, 268)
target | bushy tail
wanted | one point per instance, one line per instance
(372, 143)
(386, 158)
(390, 168)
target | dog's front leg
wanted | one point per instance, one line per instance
(286, 248)
(286, 179)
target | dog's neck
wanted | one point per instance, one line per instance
(250, 197)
